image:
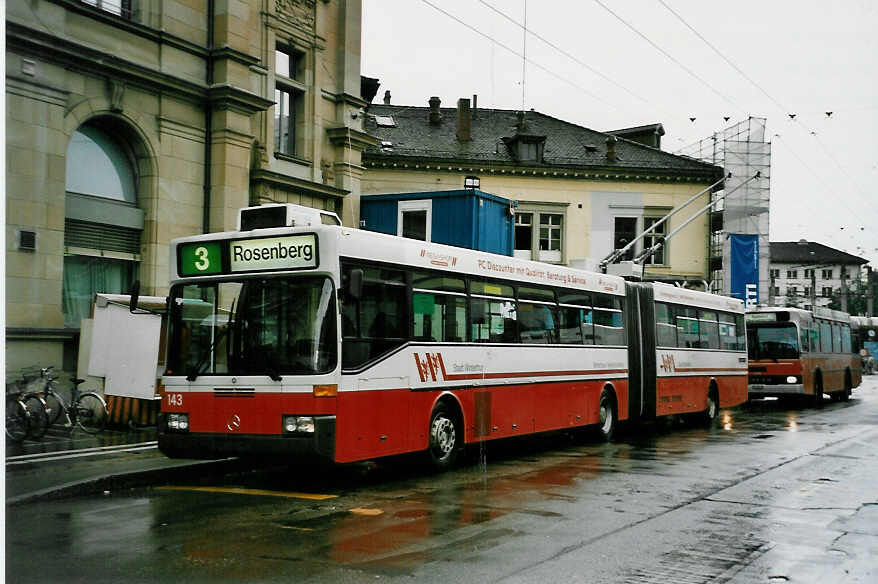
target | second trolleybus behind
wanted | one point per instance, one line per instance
(350, 345)
(795, 352)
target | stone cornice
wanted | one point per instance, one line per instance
(346, 136)
(80, 57)
(236, 99)
(653, 175)
(287, 182)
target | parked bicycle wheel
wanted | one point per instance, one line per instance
(53, 407)
(38, 419)
(16, 419)
(91, 413)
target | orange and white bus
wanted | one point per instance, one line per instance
(324, 340)
(794, 352)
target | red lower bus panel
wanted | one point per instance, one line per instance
(380, 423)
(681, 395)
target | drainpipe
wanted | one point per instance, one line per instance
(208, 118)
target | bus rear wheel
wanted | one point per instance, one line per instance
(710, 413)
(845, 395)
(817, 398)
(444, 438)
(609, 416)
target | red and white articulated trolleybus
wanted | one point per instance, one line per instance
(794, 352)
(350, 345)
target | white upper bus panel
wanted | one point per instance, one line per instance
(283, 215)
(677, 295)
(372, 246)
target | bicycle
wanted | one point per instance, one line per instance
(87, 410)
(26, 415)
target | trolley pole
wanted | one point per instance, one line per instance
(870, 291)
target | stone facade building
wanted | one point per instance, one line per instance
(132, 122)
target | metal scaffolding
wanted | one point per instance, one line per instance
(742, 150)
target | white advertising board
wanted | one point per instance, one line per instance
(125, 350)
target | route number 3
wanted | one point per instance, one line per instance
(201, 262)
(175, 399)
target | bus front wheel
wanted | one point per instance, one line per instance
(445, 440)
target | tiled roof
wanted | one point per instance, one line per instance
(566, 145)
(810, 253)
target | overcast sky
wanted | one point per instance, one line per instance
(608, 64)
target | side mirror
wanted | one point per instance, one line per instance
(135, 295)
(355, 284)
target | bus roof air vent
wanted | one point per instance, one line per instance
(283, 215)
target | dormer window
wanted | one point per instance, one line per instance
(526, 147)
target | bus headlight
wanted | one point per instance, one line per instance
(306, 424)
(792, 379)
(178, 422)
(298, 424)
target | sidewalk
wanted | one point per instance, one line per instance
(65, 463)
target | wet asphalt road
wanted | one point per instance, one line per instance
(774, 493)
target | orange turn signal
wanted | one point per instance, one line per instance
(326, 390)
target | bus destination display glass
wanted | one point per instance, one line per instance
(294, 252)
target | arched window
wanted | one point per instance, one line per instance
(99, 166)
(103, 224)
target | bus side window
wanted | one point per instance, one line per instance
(377, 322)
(814, 337)
(846, 339)
(687, 327)
(803, 339)
(741, 331)
(825, 337)
(575, 317)
(708, 333)
(836, 338)
(536, 323)
(728, 339)
(609, 328)
(665, 331)
(438, 317)
(493, 320)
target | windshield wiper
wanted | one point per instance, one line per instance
(196, 370)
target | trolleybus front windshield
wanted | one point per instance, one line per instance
(265, 326)
(773, 341)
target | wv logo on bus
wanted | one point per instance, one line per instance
(668, 364)
(430, 367)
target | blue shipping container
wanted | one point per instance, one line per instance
(465, 218)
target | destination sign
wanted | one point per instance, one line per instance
(273, 253)
(208, 258)
(761, 317)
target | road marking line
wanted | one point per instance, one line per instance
(51, 456)
(241, 491)
(96, 449)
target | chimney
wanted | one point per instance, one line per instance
(520, 124)
(611, 148)
(475, 104)
(435, 114)
(387, 97)
(464, 121)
